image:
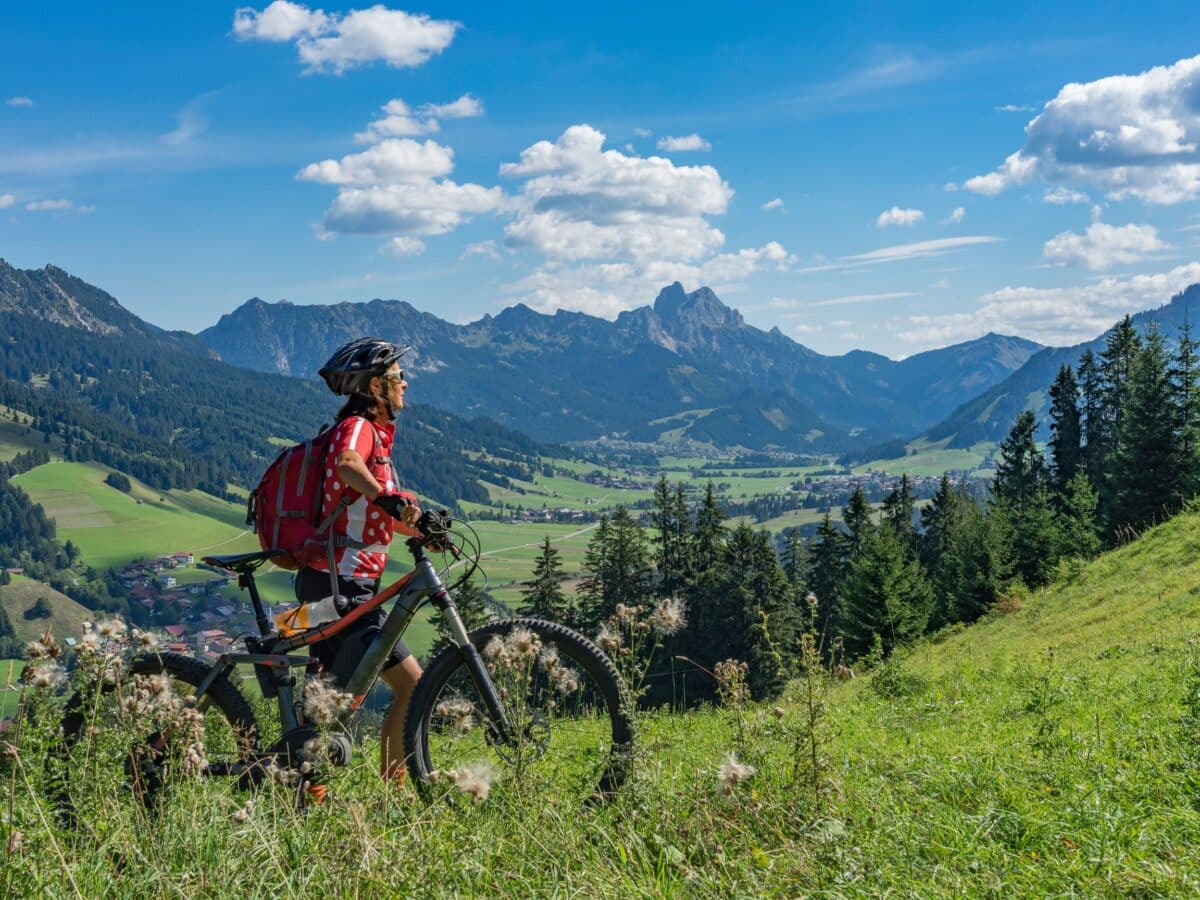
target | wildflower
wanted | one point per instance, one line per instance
(89, 644)
(627, 614)
(111, 628)
(144, 639)
(194, 762)
(668, 617)
(524, 644)
(609, 640)
(48, 676)
(475, 779)
(45, 647)
(243, 815)
(324, 704)
(36, 650)
(567, 682)
(811, 599)
(778, 711)
(459, 712)
(312, 747)
(494, 649)
(732, 773)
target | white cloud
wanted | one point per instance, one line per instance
(48, 205)
(7, 200)
(583, 202)
(898, 216)
(1015, 107)
(335, 43)
(1129, 135)
(486, 249)
(777, 203)
(950, 187)
(864, 298)
(955, 217)
(687, 142)
(1054, 316)
(642, 132)
(1060, 196)
(389, 162)
(400, 120)
(18, 101)
(903, 252)
(465, 107)
(1103, 246)
(404, 246)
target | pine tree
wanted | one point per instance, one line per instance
(629, 561)
(708, 533)
(1020, 470)
(794, 557)
(1066, 451)
(1146, 468)
(884, 596)
(1081, 536)
(671, 540)
(857, 516)
(898, 508)
(596, 585)
(1092, 403)
(827, 555)
(1185, 385)
(544, 598)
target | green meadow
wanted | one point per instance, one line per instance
(925, 457)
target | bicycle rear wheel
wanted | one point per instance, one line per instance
(563, 698)
(127, 736)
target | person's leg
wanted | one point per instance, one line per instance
(401, 678)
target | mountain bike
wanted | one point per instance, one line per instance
(534, 700)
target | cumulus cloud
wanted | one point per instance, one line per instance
(389, 162)
(400, 120)
(48, 205)
(955, 217)
(613, 228)
(404, 246)
(688, 142)
(1061, 196)
(7, 200)
(1129, 135)
(898, 216)
(583, 202)
(777, 203)
(1103, 246)
(335, 43)
(18, 101)
(1054, 316)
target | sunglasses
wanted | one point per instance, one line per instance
(394, 378)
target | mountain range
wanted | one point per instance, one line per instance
(686, 366)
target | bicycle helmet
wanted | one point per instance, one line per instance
(353, 365)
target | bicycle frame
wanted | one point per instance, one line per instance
(410, 592)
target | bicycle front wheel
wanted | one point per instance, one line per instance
(570, 735)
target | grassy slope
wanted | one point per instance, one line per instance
(1037, 753)
(112, 528)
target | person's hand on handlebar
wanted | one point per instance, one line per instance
(400, 505)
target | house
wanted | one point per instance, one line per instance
(176, 631)
(178, 648)
(184, 559)
(225, 611)
(167, 581)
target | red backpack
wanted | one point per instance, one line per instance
(283, 509)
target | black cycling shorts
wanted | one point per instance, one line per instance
(342, 652)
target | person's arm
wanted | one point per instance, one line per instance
(355, 474)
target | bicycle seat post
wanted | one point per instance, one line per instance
(246, 580)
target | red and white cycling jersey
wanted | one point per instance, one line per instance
(362, 521)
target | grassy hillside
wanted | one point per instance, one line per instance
(112, 528)
(67, 616)
(1044, 751)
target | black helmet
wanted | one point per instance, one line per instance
(353, 365)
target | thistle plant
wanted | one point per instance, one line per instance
(633, 634)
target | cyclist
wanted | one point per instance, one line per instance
(360, 476)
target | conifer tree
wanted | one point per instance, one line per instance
(884, 596)
(794, 558)
(670, 544)
(1092, 409)
(1146, 468)
(708, 532)
(857, 516)
(544, 598)
(1020, 469)
(1081, 534)
(596, 584)
(898, 508)
(1185, 385)
(827, 555)
(1066, 451)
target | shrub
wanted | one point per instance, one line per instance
(118, 481)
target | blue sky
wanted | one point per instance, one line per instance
(886, 176)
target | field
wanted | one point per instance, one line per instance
(930, 458)
(112, 528)
(1049, 750)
